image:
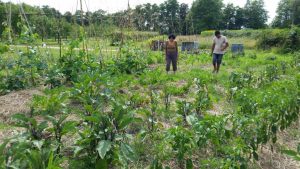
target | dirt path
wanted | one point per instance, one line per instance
(275, 159)
(12, 103)
(16, 102)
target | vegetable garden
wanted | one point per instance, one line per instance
(100, 98)
(121, 110)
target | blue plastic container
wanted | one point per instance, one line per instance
(237, 48)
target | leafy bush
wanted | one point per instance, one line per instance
(71, 63)
(288, 40)
(26, 70)
(3, 48)
(249, 33)
(116, 37)
(131, 61)
(155, 58)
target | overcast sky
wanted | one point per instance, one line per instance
(116, 5)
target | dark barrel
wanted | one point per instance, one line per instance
(190, 46)
(157, 45)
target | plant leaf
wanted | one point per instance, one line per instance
(127, 152)
(101, 164)
(103, 147)
(189, 164)
(290, 152)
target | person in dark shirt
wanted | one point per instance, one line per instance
(171, 53)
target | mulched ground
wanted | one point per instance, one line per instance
(16, 102)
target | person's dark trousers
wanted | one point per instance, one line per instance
(171, 58)
(217, 59)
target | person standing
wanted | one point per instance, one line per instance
(171, 53)
(220, 44)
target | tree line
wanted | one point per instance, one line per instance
(167, 17)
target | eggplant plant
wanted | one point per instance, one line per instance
(154, 106)
(104, 141)
(105, 137)
(71, 63)
(272, 73)
(40, 145)
(202, 101)
(184, 109)
(183, 144)
(23, 153)
(167, 98)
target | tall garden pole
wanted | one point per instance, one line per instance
(82, 23)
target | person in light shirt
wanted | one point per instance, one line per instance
(220, 44)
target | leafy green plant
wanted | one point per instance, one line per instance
(202, 101)
(3, 48)
(40, 145)
(239, 81)
(103, 142)
(294, 154)
(54, 77)
(296, 60)
(183, 143)
(167, 98)
(23, 153)
(26, 69)
(271, 73)
(131, 61)
(184, 109)
(284, 67)
(154, 106)
(252, 55)
(72, 64)
(104, 139)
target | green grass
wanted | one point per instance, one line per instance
(4, 126)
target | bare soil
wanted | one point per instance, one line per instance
(16, 102)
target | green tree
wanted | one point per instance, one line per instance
(51, 12)
(68, 17)
(233, 17)
(239, 18)
(169, 17)
(146, 17)
(98, 17)
(284, 16)
(183, 13)
(256, 16)
(229, 16)
(206, 14)
(138, 20)
(296, 12)
(3, 17)
(155, 17)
